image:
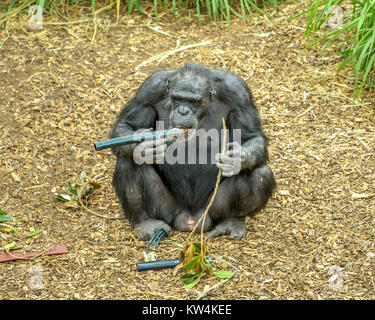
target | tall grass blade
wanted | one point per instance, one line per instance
(356, 36)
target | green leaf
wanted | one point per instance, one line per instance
(223, 274)
(15, 232)
(197, 247)
(31, 234)
(4, 217)
(70, 188)
(10, 246)
(208, 267)
(192, 263)
(192, 284)
(11, 229)
(187, 278)
(63, 197)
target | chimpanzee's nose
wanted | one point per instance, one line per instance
(183, 110)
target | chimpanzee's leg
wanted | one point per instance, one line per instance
(239, 196)
(145, 200)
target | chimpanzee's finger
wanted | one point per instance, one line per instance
(160, 149)
(225, 166)
(149, 152)
(147, 144)
(233, 153)
(141, 132)
(229, 173)
(223, 158)
(159, 158)
(151, 144)
(160, 141)
(233, 145)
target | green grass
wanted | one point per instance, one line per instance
(215, 9)
(355, 37)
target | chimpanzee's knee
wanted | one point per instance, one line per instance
(255, 191)
(127, 183)
(142, 193)
(243, 194)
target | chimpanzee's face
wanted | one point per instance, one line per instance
(189, 98)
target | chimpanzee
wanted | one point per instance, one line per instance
(159, 195)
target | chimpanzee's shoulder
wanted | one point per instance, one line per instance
(155, 87)
(230, 84)
(159, 77)
(228, 78)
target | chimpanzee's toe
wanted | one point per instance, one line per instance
(234, 227)
(147, 229)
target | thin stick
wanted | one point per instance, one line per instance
(205, 291)
(95, 30)
(79, 196)
(161, 32)
(164, 55)
(55, 23)
(204, 215)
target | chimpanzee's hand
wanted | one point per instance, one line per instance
(230, 160)
(149, 151)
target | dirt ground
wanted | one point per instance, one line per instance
(61, 91)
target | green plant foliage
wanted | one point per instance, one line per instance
(82, 189)
(355, 35)
(34, 233)
(215, 9)
(10, 246)
(6, 218)
(223, 274)
(195, 262)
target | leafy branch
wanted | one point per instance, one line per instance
(195, 258)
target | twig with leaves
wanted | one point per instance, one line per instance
(194, 258)
(81, 190)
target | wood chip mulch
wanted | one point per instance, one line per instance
(60, 93)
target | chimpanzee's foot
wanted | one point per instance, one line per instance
(235, 227)
(147, 229)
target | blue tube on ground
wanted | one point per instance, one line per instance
(157, 264)
(160, 264)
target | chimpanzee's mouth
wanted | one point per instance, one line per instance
(188, 131)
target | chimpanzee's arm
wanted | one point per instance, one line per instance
(252, 147)
(139, 113)
(251, 150)
(132, 118)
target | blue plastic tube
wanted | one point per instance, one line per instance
(136, 138)
(157, 264)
